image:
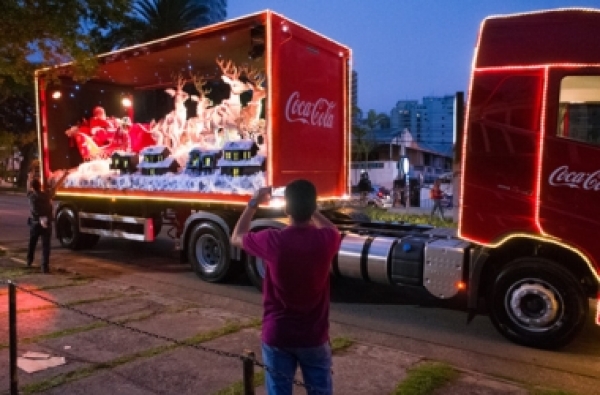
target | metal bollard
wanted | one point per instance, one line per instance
(12, 329)
(248, 372)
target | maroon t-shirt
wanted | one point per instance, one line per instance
(296, 284)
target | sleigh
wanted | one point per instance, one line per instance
(103, 143)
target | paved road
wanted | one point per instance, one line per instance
(388, 316)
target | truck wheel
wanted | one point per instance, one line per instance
(537, 303)
(209, 252)
(68, 234)
(67, 229)
(255, 269)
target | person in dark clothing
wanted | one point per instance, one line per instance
(364, 187)
(40, 219)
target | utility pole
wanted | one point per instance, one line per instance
(405, 167)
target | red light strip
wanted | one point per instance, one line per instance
(535, 66)
(269, 114)
(463, 159)
(598, 309)
(540, 154)
(586, 9)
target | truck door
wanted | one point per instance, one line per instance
(500, 156)
(569, 194)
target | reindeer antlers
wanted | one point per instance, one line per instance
(179, 80)
(199, 83)
(230, 70)
(255, 77)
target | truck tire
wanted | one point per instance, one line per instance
(255, 270)
(538, 303)
(209, 252)
(67, 228)
(68, 234)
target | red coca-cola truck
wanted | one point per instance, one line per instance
(200, 120)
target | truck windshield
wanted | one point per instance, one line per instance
(579, 109)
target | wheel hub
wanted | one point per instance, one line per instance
(533, 305)
(208, 252)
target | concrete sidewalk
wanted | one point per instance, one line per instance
(141, 351)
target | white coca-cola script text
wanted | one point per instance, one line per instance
(318, 113)
(562, 176)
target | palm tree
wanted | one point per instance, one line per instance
(154, 19)
(373, 119)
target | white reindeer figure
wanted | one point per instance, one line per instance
(250, 114)
(196, 125)
(229, 109)
(176, 119)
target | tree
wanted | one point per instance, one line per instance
(46, 33)
(17, 124)
(7, 142)
(363, 140)
(155, 19)
(374, 119)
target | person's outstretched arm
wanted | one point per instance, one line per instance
(58, 184)
(243, 224)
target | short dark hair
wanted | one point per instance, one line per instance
(300, 199)
(36, 185)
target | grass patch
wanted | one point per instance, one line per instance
(70, 304)
(74, 282)
(340, 343)
(87, 371)
(10, 273)
(79, 329)
(57, 334)
(426, 378)
(379, 214)
(538, 391)
(237, 388)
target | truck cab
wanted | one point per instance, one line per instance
(531, 170)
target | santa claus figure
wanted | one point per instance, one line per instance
(102, 128)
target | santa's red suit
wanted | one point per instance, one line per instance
(102, 130)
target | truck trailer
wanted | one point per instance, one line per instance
(178, 133)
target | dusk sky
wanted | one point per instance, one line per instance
(402, 49)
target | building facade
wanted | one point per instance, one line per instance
(431, 122)
(388, 147)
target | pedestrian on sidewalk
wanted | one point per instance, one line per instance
(297, 260)
(364, 187)
(436, 196)
(40, 218)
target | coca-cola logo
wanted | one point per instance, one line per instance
(562, 176)
(318, 113)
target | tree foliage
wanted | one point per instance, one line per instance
(46, 33)
(155, 19)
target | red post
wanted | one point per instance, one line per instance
(12, 328)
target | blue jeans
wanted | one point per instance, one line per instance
(315, 364)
